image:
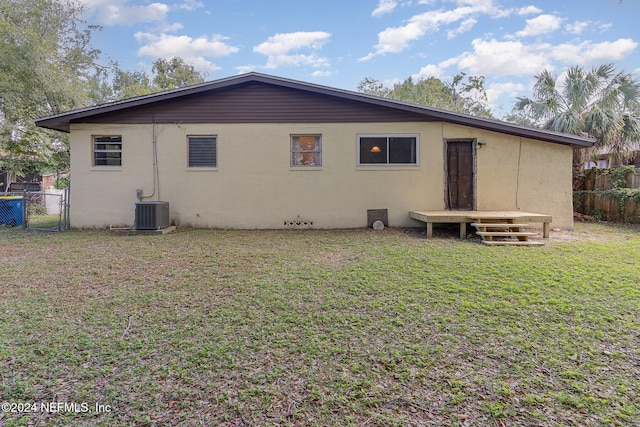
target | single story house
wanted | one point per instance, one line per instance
(604, 158)
(259, 151)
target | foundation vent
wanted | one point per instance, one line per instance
(298, 223)
(374, 215)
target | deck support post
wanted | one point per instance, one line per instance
(463, 217)
(463, 230)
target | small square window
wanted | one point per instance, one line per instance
(306, 150)
(203, 151)
(107, 151)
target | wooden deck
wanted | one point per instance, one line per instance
(465, 217)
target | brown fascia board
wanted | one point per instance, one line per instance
(61, 122)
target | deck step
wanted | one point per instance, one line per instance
(505, 233)
(512, 243)
(497, 225)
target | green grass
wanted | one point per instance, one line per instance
(44, 221)
(349, 327)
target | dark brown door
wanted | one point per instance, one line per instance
(460, 174)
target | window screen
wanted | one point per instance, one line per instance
(306, 150)
(107, 151)
(203, 151)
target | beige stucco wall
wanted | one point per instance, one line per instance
(520, 174)
(254, 185)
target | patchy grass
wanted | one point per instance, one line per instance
(349, 327)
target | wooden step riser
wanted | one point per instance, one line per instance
(498, 225)
(511, 243)
(505, 233)
(506, 228)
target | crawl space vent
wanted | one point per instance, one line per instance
(374, 215)
(298, 223)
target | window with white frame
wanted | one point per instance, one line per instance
(107, 150)
(203, 151)
(306, 150)
(388, 149)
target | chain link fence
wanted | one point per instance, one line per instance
(35, 210)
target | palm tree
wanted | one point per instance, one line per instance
(602, 103)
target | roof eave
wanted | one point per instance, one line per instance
(61, 122)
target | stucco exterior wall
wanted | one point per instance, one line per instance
(520, 174)
(254, 185)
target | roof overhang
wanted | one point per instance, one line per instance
(61, 122)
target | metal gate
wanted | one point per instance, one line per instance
(35, 210)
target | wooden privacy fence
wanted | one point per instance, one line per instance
(610, 194)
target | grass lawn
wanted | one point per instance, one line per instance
(350, 327)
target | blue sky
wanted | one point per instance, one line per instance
(339, 42)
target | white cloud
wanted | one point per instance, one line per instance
(542, 24)
(515, 58)
(497, 91)
(243, 69)
(604, 27)
(190, 5)
(122, 12)
(528, 10)
(282, 49)
(385, 6)
(118, 12)
(506, 58)
(466, 26)
(577, 27)
(427, 71)
(322, 73)
(283, 43)
(193, 51)
(171, 28)
(394, 40)
(587, 52)
(397, 39)
(435, 70)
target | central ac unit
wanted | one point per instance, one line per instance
(151, 215)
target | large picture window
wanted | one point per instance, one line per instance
(203, 151)
(387, 149)
(107, 150)
(306, 150)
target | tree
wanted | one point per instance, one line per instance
(47, 66)
(167, 74)
(602, 103)
(129, 84)
(432, 92)
(469, 97)
(371, 86)
(465, 97)
(175, 73)
(45, 61)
